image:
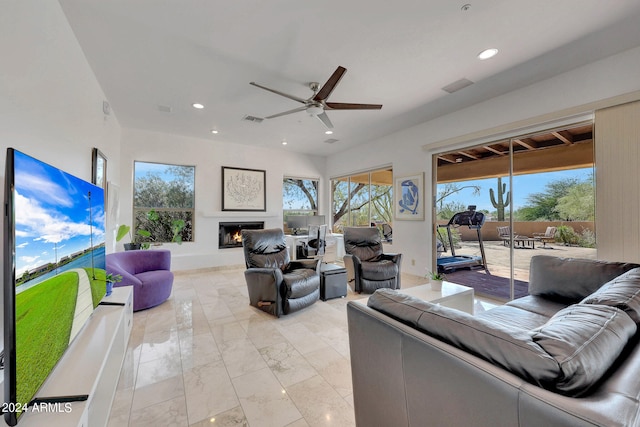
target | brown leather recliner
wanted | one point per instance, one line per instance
(368, 268)
(276, 284)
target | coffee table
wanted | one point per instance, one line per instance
(451, 295)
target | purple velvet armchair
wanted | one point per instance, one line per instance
(148, 271)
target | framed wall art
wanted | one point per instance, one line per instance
(409, 197)
(99, 169)
(243, 189)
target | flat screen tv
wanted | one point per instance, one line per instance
(54, 273)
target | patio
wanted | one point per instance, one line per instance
(496, 284)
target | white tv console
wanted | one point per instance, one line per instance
(91, 366)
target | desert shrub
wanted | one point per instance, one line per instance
(567, 235)
(587, 238)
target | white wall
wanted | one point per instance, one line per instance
(50, 101)
(208, 157)
(603, 79)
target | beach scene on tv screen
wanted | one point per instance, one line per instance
(59, 265)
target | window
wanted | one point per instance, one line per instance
(363, 199)
(299, 197)
(163, 202)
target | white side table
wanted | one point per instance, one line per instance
(451, 295)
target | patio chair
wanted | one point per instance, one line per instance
(504, 233)
(549, 236)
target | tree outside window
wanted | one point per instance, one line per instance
(163, 198)
(299, 197)
(363, 199)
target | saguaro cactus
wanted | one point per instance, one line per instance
(502, 199)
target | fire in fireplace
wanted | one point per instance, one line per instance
(229, 234)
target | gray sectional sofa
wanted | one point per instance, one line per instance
(566, 355)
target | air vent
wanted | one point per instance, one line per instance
(330, 140)
(457, 85)
(253, 119)
(164, 108)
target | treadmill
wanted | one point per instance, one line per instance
(474, 220)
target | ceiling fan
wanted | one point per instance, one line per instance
(317, 104)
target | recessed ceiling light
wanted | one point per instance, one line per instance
(214, 131)
(329, 132)
(284, 142)
(487, 53)
(197, 105)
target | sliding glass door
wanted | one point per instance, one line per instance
(536, 193)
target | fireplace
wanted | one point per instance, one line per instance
(229, 233)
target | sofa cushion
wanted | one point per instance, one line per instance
(513, 317)
(363, 242)
(380, 270)
(265, 249)
(539, 305)
(585, 340)
(300, 282)
(510, 348)
(622, 292)
(571, 279)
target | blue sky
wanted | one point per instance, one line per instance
(524, 185)
(52, 213)
(142, 169)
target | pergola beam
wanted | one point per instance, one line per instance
(564, 136)
(561, 157)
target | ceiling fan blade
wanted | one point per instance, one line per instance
(330, 84)
(277, 92)
(351, 106)
(295, 110)
(325, 119)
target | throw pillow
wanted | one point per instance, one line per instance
(585, 340)
(622, 292)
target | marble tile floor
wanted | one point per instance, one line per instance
(206, 358)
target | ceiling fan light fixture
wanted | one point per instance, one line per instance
(315, 110)
(329, 132)
(197, 106)
(487, 53)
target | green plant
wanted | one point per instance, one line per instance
(587, 239)
(145, 237)
(123, 230)
(567, 235)
(502, 201)
(177, 225)
(436, 275)
(113, 278)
